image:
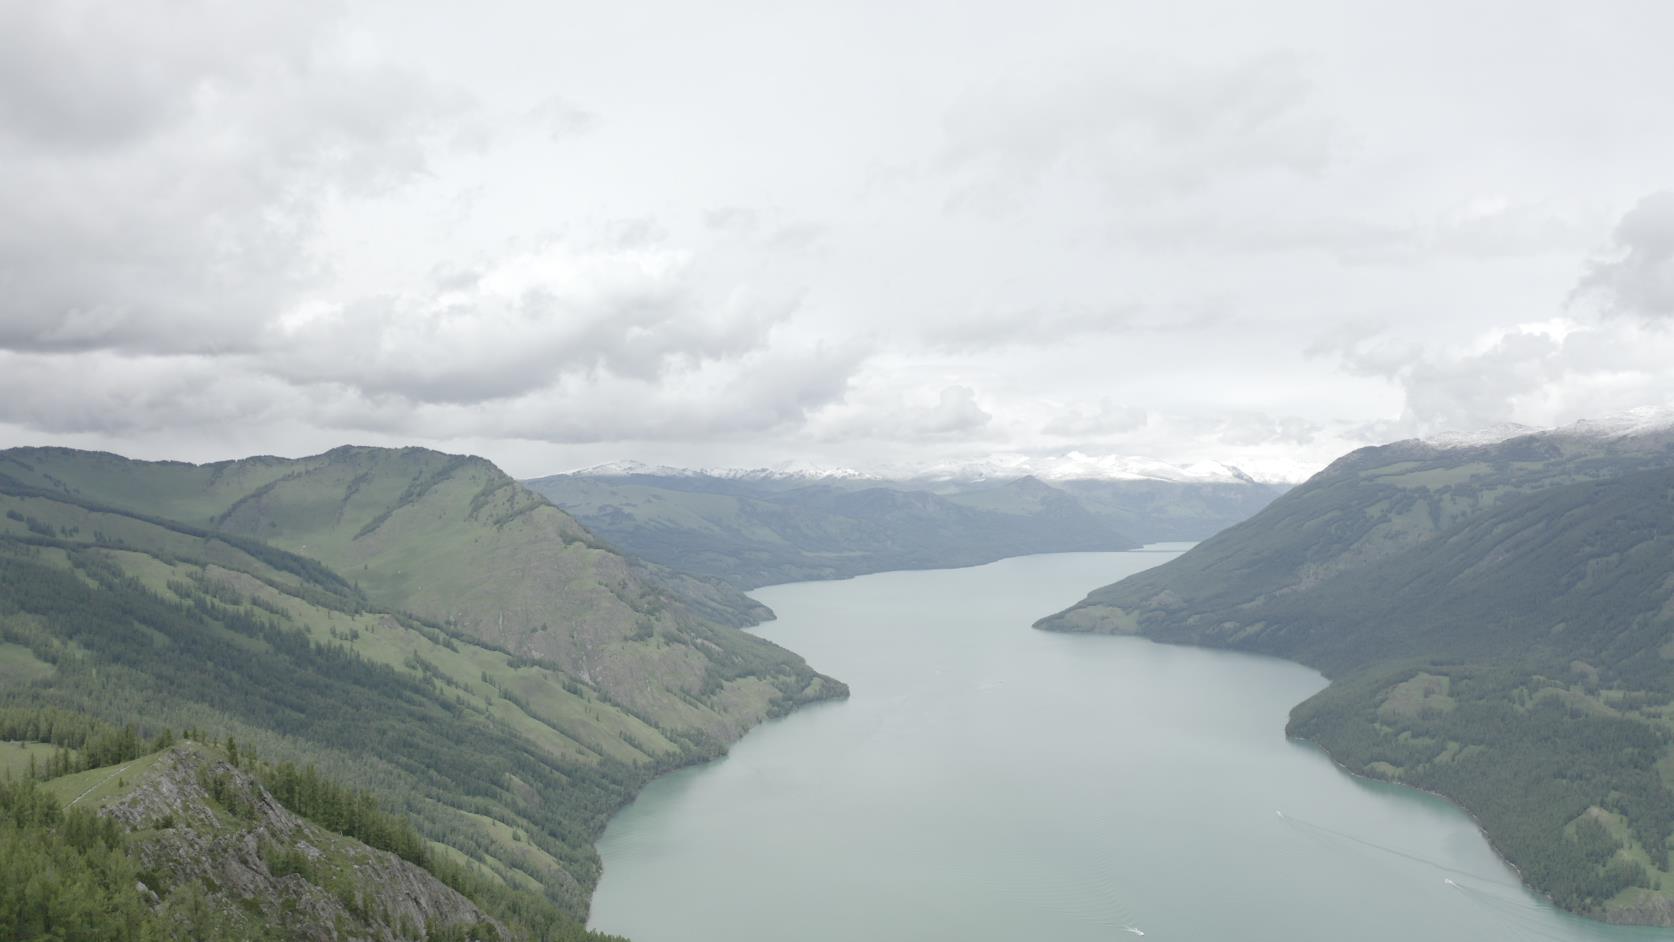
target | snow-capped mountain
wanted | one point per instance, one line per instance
(1645, 420)
(1489, 435)
(1074, 466)
(787, 471)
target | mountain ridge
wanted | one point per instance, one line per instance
(510, 740)
(749, 530)
(1495, 620)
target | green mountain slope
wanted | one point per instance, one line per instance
(752, 531)
(1497, 622)
(454, 540)
(1365, 508)
(510, 746)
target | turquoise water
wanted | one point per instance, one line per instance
(990, 782)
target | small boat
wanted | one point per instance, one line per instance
(1133, 929)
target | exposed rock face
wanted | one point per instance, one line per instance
(202, 826)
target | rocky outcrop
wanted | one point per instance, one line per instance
(215, 847)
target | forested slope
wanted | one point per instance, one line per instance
(508, 747)
(749, 531)
(1499, 625)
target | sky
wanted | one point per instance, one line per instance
(853, 234)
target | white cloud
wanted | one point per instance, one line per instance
(274, 226)
(1640, 280)
(524, 322)
(1138, 128)
(164, 166)
(1542, 374)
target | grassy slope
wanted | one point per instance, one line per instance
(1496, 621)
(545, 734)
(1367, 507)
(16, 756)
(455, 540)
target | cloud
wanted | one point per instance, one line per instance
(1541, 374)
(131, 395)
(1050, 325)
(912, 414)
(166, 163)
(1082, 420)
(562, 119)
(1142, 131)
(1640, 280)
(1485, 228)
(628, 308)
(766, 391)
(956, 412)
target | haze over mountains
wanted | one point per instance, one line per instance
(755, 527)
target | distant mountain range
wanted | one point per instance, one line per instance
(748, 528)
(1072, 466)
(1497, 615)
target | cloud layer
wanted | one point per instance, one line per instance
(853, 236)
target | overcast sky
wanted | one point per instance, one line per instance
(849, 233)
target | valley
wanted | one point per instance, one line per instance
(747, 529)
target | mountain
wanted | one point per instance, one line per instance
(749, 529)
(1495, 617)
(414, 624)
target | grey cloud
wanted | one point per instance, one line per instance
(956, 412)
(796, 236)
(770, 230)
(1046, 326)
(205, 141)
(763, 392)
(1530, 375)
(81, 75)
(122, 395)
(524, 322)
(1148, 127)
(1441, 391)
(1640, 280)
(736, 219)
(1082, 420)
(1480, 389)
(916, 414)
(1242, 430)
(766, 391)
(561, 118)
(1482, 231)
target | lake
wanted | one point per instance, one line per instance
(986, 781)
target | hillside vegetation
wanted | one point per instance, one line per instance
(368, 612)
(185, 843)
(748, 532)
(1499, 624)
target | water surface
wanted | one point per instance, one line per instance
(990, 782)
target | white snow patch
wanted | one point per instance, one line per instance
(1645, 420)
(1073, 466)
(1493, 434)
